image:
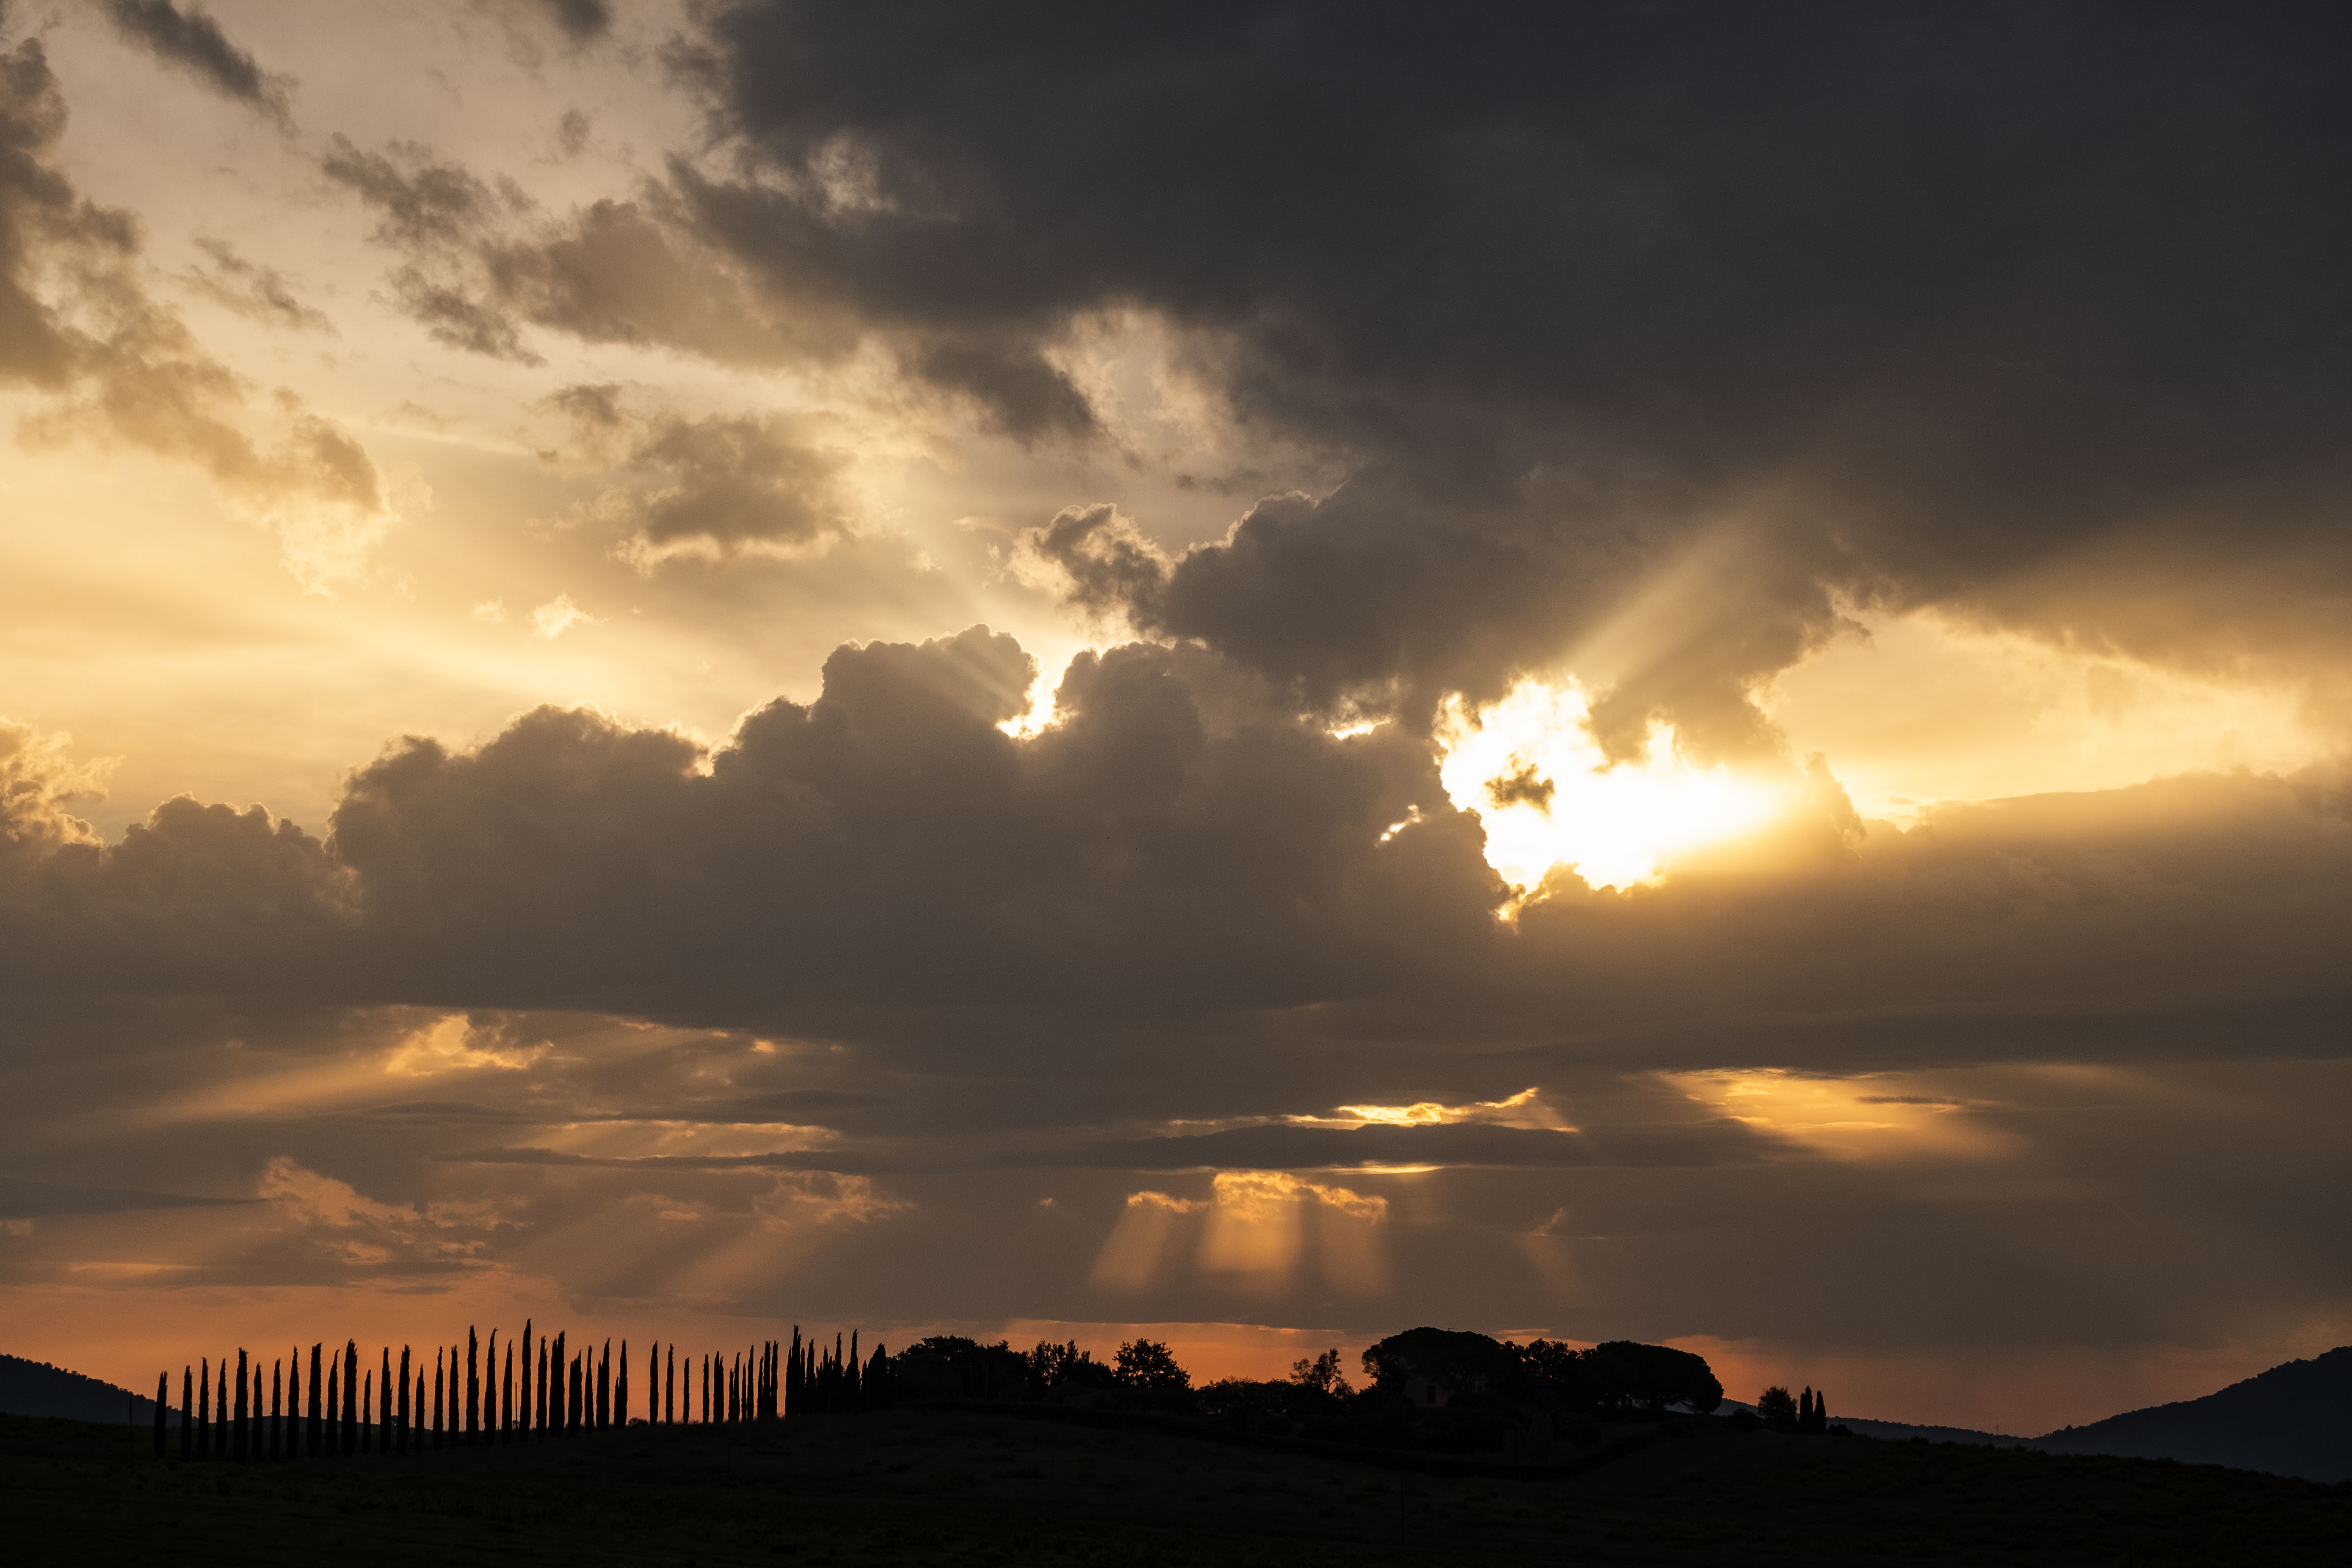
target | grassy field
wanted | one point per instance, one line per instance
(925, 1488)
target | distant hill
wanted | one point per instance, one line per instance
(2289, 1421)
(36, 1388)
(1899, 1431)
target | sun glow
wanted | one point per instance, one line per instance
(1531, 771)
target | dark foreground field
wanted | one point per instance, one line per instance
(921, 1488)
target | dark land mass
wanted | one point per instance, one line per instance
(2291, 1421)
(986, 1486)
(36, 1388)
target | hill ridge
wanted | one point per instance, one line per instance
(2287, 1421)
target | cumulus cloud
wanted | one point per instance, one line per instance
(1172, 848)
(717, 486)
(39, 780)
(553, 618)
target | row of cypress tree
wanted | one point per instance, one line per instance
(354, 1409)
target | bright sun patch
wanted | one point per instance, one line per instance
(1530, 769)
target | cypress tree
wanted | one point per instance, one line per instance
(605, 1388)
(402, 1428)
(523, 1407)
(436, 1398)
(187, 1412)
(572, 1409)
(277, 1407)
(351, 1397)
(621, 1390)
(490, 1391)
(793, 1373)
(334, 1395)
(669, 1386)
(313, 1443)
(539, 1411)
(367, 1412)
(706, 1390)
(383, 1410)
(204, 1407)
(473, 1386)
(256, 1404)
(162, 1410)
(418, 1437)
(558, 1403)
(236, 1433)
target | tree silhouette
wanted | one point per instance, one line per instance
(334, 1395)
(1778, 1406)
(312, 1444)
(1323, 1374)
(437, 1381)
(669, 1386)
(402, 1426)
(239, 1434)
(522, 1407)
(277, 1409)
(162, 1409)
(367, 1411)
(605, 1388)
(1148, 1366)
(351, 1393)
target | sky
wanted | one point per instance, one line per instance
(1251, 673)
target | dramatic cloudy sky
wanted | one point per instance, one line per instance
(1668, 671)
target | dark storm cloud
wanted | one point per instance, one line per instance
(194, 42)
(581, 21)
(35, 1200)
(1018, 392)
(1933, 302)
